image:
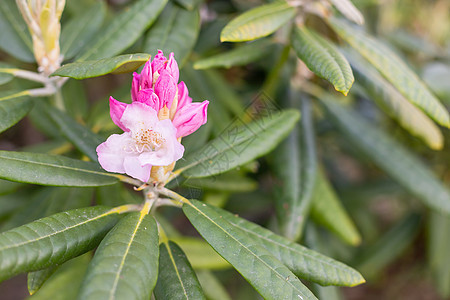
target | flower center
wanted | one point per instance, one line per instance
(147, 140)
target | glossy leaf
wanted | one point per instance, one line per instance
(176, 30)
(13, 110)
(267, 274)
(239, 56)
(78, 32)
(323, 58)
(239, 144)
(36, 279)
(123, 30)
(328, 211)
(125, 265)
(258, 22)
(176, 278)
(395, 105)
(83, 138)
(14, 36)
(390, 156)
(394, 70)
(303, 262)
(48, 169)
(59, 238)
(95, 68)
(347, 8)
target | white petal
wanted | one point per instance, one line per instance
(138, 116)
(135, 169)
(112, 152)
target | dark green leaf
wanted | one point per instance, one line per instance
(189, 4)
(232, 182)
(176, 279)
(36, 279)
(58, 238)
(267, 274)
(125, 265)
(48, 169)
(13, 110)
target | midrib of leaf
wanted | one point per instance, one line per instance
(169, 251)
(59, 231)
(243, 246)
(10, 16)
(19, 94)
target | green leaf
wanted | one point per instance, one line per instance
(176, 30)
(123, 30)
(13, 110)
(328, 211)
(303, 262)
(95, 68)
(347, 8)
(48, 169)
(14, 36)
(6, 74)
(295, 164)
(59, 238)
(200, 254)
(125, 265)
(231, 182)
(82, 137)
(176, 279)
(394, 70)
(323, 58)
(267, 274)
(78, 32)
(395, 105)
(189, 4)
(390, 156)
(212, 287)
(239, 144)
(36, 279)
(239, 56)
(258, 22)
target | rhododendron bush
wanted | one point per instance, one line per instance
(183, 149)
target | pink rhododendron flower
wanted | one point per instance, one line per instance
(161, 113)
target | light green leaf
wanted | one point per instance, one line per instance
(36, 279)
(176, 30)
(125, 265)
(258, 22)
(78, 32)
(390, 156)
(176, 278)
(48, 169)
(239, 144)
(303, 262)
(213, 288)
(394, 70)
(6, 74)
(59, 238)
(82, 137)
(267, 274)
(323, 58)
(123, 30)
(200, 254)
(347, 8)
(14, 36)
(328, 211)
(239, 56)
(95, 68)
(13, 110)
(395, 105)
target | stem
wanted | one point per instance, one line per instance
(126, 208)
(29, 75)
(167, 202)
(129, 180)
(173, 195)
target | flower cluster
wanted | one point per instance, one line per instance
(161, 113)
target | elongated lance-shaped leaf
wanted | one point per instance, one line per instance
(393, 69)
(239, 144)
(176, 30)
(263, 271)
(323, 58)
(258, 22)
(82, 137)
(53, 240)
(327, 210)
(13, 110)
(125, 265)
(45, 169)
(347, 8)
(390, 156)
(239, 56)
(79, 30)
(189, 4)
(295, 165)
(303, 262)
(176, 278)
(123, 30)
(94, 68)
(36, 279)
(395, 104)
(14, 36)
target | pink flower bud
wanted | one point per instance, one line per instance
(190, 117)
